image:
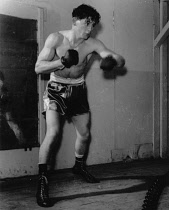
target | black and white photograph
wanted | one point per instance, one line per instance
(84, 104)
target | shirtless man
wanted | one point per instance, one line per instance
(64, 56)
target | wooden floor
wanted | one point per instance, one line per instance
(123, 186)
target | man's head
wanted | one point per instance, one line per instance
(85, 18)
(86, 12)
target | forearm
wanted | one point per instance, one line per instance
(45, 67)
(120, 60)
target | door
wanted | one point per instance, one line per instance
(21, 36)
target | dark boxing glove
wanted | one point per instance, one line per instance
(108, 63)
(71, 58)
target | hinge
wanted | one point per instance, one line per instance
(113, 22)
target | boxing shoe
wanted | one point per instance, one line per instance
(80, 169)
(42, 196)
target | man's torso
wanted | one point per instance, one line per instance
(83, 49)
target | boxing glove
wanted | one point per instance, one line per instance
(70, 58)
(108, 63)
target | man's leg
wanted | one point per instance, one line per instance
(53, 127)
(82, 126)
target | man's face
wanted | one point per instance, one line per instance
(84, 28)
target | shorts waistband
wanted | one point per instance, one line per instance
(63, 80)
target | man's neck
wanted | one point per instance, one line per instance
(74, 40)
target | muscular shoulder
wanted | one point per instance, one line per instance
(54, 39)
(95, 44)
(91, 41)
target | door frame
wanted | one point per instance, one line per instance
(160, 112)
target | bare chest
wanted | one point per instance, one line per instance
(74, 71)
(82, 50)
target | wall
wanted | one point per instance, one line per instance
(134, 91)
(121, 106)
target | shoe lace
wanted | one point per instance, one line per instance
(43, 187)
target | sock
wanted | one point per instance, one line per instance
(42, 169)
(78, 156)
(79, 159)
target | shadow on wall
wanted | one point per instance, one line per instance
(97, 29)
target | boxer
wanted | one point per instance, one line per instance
(65, 56)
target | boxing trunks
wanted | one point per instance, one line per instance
(66, 96)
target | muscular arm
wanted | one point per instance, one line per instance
(45, 62)
(103, 51)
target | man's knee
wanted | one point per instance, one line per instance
(84, 136)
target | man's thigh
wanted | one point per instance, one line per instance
(53, 120)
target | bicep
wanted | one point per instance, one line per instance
(101, 49)
(47, 54)
(48, 51)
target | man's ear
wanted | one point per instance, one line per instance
(74, 19)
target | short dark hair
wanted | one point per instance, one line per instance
(86, 12)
